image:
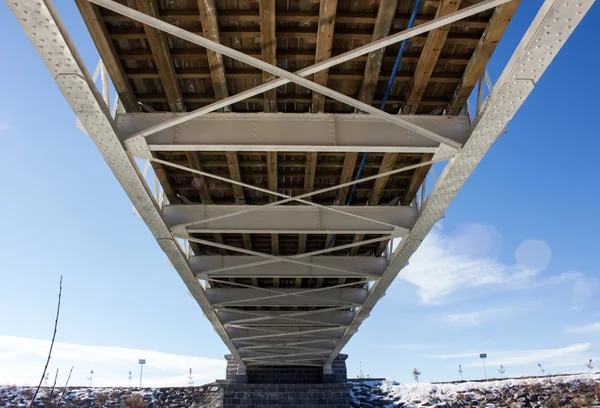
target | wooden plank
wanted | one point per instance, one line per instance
(234, 173)
(483, 52)
(97, 28)
(387, 164)
(162, 57)
(299, 16)
(327, 12)
(385, 16)
(200, 180)
(302, 55)
(210, 30)
(202, 187)
(346, 176)
(429, 57)
(417, 179)
(268, 47)
(310, 169)
(272, 183)
(250, 73)
(238, 191)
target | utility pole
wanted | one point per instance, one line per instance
(142, 362)
(130, 377)
(190, 378)
(91, 377)
(483, 356)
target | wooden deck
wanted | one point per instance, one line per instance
(153, 71)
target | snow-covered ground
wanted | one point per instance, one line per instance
(559, 391)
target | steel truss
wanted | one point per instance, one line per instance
(276, 336)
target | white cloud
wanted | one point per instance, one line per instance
(559, 357)
(588, 328)
(4, 126)
(444, 264)
(22, 360)
(475, 318)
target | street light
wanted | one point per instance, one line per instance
(483, 356)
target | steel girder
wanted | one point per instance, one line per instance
(293, 132)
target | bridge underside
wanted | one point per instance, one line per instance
(277, 196)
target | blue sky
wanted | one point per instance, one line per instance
(511, 270)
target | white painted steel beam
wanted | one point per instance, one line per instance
(255, 297)
(41, 23)
(338, 317)
(547, 34)
(285, 132)
(291, 219)
(287, 332)
(357, 267)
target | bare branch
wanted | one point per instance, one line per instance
(51, 345)
(64, 388)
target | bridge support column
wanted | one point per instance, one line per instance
(290, 386)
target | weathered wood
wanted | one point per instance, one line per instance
(97, 28)
(302, 55)
(385, 16)
(429, 57)
(309, 172)
(327, 12)
(162, 57)
(417, 179)
(387, 164)
(210, 30)
(234, 172)
(347, 173)
(300, 16)
(268, 47)
(483, 52)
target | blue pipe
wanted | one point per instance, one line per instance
(386, 95)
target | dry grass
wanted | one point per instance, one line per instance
(135, 401)
(102, 397)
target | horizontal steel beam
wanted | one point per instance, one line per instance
(357, 267)
(291, 219)
(338, 317)
(247, 297)
(287, 333)
(293, 132)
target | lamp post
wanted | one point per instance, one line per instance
(483, 356)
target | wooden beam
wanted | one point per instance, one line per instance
(205, 197)
(483, 52)
(429, 57)
(268, 47)
(416, 180)
(291, 98)
(299, 16)
(99, 33)
(387, 164)
(272, 183)
(302, 55)
(238, 191)
(385, 16)
(162, 57)
(347, 173)
(310, 169)
(327, 12)
(251, 73)
(234, 172)
(210, 30)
